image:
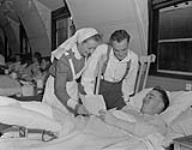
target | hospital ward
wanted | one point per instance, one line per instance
(95, 75)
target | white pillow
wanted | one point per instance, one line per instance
(16, 115)
(183, 123)
(179, 102)
(181, 126)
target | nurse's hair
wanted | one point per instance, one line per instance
(119, 35)
(164, 97)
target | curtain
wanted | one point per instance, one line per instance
(110, 15)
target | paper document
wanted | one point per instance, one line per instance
(94, 103)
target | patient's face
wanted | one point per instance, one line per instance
(152, 103)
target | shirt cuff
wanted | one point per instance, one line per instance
(72, 103)
(126, 98)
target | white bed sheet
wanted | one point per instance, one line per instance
(95, 135)
(90, 135)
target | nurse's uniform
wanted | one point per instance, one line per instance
(49, 96)
(69, 53)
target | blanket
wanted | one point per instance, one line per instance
(9, 86)
(86, 134)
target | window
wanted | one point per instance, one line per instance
(5, 49)
(25, 47)
(3, 43)
(61, 31)
(60, 19)
(171, 38)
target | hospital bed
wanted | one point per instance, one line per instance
(9, 86)
(95, 134)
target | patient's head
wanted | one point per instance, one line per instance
(155, 102)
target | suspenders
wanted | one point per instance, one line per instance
(111, 91)
(127, 70)
(107, 60)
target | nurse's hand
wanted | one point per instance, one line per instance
(81, 110)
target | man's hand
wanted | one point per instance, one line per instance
(81, 110)
(108, 117)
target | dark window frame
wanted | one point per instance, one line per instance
(5, 45)
(25, 47)
(154, 7)
(57, 14)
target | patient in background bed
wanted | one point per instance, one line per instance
(145, 122)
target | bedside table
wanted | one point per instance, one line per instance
(183, 143)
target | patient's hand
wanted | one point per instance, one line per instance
(108, 117)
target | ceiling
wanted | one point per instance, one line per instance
(110, 15)
(104, 15)
(21, 10)
(7, 7)
(52, 4)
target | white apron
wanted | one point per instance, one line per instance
(49, 96)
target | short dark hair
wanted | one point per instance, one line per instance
(38, 56)
(47, 58)
(119, 35)
(26, 59)
(164, 96)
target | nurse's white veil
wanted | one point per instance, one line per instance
(79, 36)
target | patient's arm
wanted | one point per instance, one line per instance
(109, 118)
(139, 128)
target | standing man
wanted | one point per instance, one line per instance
(119, 70)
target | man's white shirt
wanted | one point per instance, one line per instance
(114, 71)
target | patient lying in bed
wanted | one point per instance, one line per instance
(106, 129)
(145, 122)
(139, 123)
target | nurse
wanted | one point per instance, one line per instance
(69, 62)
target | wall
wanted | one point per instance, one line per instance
(16, 30)
(1, 41)
(132, 15)
(44, 9)
(109, 15)
(45, 14)
(33, 25)
(168, 83)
